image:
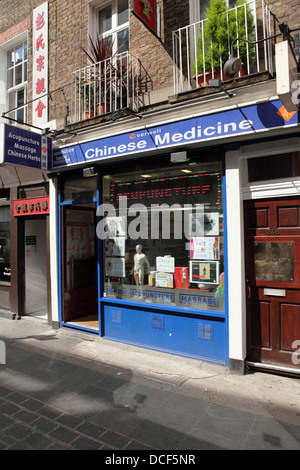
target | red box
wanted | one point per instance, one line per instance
(181, 277)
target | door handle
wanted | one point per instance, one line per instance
(249, 292)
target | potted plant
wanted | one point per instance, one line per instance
(220, 28)
(103, 74)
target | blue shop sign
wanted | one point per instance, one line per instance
(236, 122)
(22, 147)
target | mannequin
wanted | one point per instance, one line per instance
(140, 260)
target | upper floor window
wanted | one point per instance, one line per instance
(16, 67)
(113, 22)
(198, 9)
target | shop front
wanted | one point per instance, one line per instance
(156, 240)
(24, 223)
(144, 252)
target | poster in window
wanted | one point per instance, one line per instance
(204, 272)
(204, 248)
(204, 224)
(115, 267)
(115, 246)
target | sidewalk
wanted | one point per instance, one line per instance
(61, 389)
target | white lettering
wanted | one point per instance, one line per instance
(246, 124)
(209, 130)
(177, 137)
(161, 141)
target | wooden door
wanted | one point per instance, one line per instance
(272, 246)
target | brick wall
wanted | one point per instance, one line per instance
(287, 11)
(68, 31)
(156, 53)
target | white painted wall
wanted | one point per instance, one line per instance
(236, 267)
(53, 222)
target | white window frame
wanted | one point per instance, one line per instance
(4, 90)
(94, 9)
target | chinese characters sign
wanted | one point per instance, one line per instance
(146, 11)
(31, 206)
(40, 65)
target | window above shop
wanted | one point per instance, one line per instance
(79, 189)
(16, 69)
(111, 20)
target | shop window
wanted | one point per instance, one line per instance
(4, 243)
(16, 69)
(113, 22)
(163, 235)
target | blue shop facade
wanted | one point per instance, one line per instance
(142, 247)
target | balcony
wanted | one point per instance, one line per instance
(112, 86)
(200, 50)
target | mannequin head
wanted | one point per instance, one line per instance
(138, 248)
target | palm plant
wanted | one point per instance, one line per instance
(106, 72)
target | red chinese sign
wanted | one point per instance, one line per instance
(40, 64)
(146, 11)
(31, 206)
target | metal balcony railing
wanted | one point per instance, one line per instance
(197, 57)
(107, 86)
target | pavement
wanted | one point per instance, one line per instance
(67, 390)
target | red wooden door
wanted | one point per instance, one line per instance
(272, 246)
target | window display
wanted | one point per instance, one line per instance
(163, 234)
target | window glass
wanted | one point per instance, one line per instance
(122, 12)
(163, 237)
(123, 40)
(113, 20)
(16, 76)
(77, 188)
(4, 244)
(105, 18)
(273, 167)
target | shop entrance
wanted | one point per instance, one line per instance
(35, 267)
(272, 245)
(79, 269)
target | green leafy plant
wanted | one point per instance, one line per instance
(219, 30)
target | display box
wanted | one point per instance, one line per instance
(164, 280)
(181, 277)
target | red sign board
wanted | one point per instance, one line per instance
(31, 206)
(146, 11)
